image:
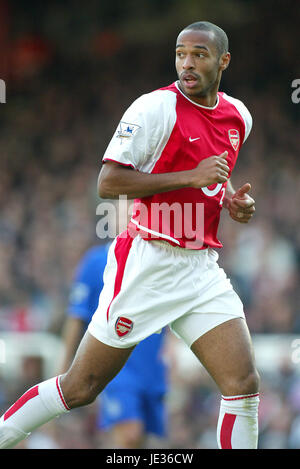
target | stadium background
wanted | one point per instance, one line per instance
(71, 68)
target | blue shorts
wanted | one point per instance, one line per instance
(122, 403)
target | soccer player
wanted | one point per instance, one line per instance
(173, 152)
(132, 405)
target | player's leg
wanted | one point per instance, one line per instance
(226, 352)
(94, 365)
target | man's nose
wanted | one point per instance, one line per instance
(188, 63)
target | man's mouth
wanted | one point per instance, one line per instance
(189, 80)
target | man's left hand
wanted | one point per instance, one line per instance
(241, 206)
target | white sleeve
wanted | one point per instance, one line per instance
(247, 120)
(244, 112)
(143, 131)
(128, 145)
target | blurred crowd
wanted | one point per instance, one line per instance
(61, 111)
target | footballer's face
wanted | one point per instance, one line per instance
(199, 65)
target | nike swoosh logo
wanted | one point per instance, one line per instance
(193, 139)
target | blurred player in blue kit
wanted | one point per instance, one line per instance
(132, 405)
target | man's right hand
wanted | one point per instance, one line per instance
(211, 170)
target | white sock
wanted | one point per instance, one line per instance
(238, 422)
(37, 406)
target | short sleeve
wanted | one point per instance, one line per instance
(244, 112)
(143, 130)
(247, 120)
(128, 145)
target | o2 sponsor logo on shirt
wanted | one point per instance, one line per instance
(215, 191)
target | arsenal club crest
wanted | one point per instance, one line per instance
(234, 138)
(123, 326)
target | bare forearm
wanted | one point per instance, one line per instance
(116, 180)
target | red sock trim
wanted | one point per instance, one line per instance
(61, 395)
(247, 396)
(30, 394)
(226, 431)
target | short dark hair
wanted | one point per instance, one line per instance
(221, 38)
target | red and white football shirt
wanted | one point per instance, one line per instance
(164, 131)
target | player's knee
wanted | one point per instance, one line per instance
(80, 392)
(250, 384)
(242, 385)
(87, 394)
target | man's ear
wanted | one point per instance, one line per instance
(224, 60)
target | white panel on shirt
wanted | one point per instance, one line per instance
(240, 106)
(144, 130)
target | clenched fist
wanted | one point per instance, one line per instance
(210, 171)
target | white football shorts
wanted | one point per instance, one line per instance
(151, 284)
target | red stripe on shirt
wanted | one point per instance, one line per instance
(30, 394)
(128, 165)
(226, 431)
(122, 249)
